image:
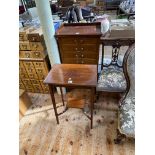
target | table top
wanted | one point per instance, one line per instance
(72, 75)
(120, 34)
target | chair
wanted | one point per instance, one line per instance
(126, 113)
(111, 79)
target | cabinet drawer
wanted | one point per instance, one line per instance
(23, 46)
(21, 86)
(34, 37)
(45, 87)
(23, 75)
(89, 48)
(87, 41)
(79, 61)
(37, 88)
(83, 54)
(27, 82)
(39, 65)
(32, 75)
(23, 36)
(41, 71)
(25, 54)
(69, 47)
(38, 54)
(28, 64)
(37, 46)
(34, 81)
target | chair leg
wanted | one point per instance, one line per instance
(120, 138)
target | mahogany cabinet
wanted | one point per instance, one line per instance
(78, 43)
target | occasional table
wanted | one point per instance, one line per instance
(72, 76)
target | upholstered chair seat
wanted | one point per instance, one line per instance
(111, 79)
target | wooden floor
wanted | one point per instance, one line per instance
(40, 135)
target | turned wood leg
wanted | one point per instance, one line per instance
(51, 88)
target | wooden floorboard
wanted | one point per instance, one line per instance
(40, 135)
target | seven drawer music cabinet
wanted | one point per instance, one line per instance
(33, 60)
(79, 43)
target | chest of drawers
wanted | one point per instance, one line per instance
(34, 64)
(79, 43)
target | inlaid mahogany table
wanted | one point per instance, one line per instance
(72, 76)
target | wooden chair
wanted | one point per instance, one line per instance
(126, 113)
(111, 79)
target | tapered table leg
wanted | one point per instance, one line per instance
(62, 96)
(51, 88)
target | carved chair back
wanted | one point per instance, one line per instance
(129, 72)
(116, 44)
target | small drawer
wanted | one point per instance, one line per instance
(41, 76)
(32, 75)
(69, 40)
(23, 36)
(87, 40)
(30, 89)
(41, 71)
(28, 64)
(39, 64)
(45, 87)
(23, 75)
(70, 47)
(25, 54)
(38, 54)
(33, 37)
(37, 46)
(27, 82)
(37, 88)
(21, 86)
(23, 46)
(89, 48)
(34, 81)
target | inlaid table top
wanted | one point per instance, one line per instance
(72, 75)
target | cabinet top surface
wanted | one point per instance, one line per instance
(72, 75)
(79, 30)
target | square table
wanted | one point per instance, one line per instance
(72, 76)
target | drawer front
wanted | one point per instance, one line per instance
(28, 64)
(23, 75)
(21, 86)
(37, 46)
(79, 61)
(27, 82)
(37, 88)
(34, 37)
(31, 73)
(69, 40)
(35, 82)
(25, 54)
(78, 40)
(23, 46)
(42, 73)
(87, 40)
(40, 65)
(69, 47)
(45, 87)
(38, 54)
(23, 36)
(89, 48)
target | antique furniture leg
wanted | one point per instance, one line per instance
(92, 106)
(120, 138)
(51, 88)
(62, 96)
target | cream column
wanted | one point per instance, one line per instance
(46, 20)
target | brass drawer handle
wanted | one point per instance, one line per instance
(33, 38)
(76, 49)
(82, 55)
(82, 48)
(82, 62)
